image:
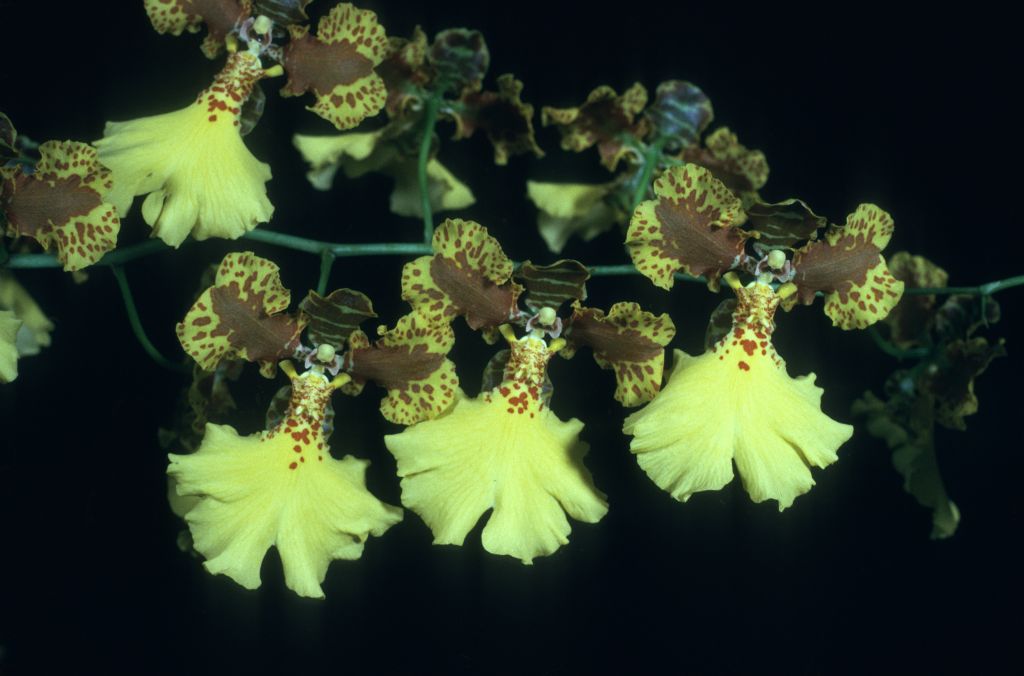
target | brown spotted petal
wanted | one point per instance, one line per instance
(502, 115)
(913, 317)
(629, 340)
(240, 316)
(785, 224)
(848, 267)
(460, 59)
(552, 285)
(337, 65)
(331, 319)
(680, 112)
(740, 169)
(220, 16)
(409, 362)
(605, 119)
(689, 227)
(468, 275)
(952, 382)
(62, 203)
(405, 71)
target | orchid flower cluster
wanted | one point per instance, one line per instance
(688, 208)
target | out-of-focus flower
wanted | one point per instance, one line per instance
(737, 403)
(503, 450)
(566, 209)
(192, 164)
(35, 326)
(359, 153)
(9, 325)
(280, 487)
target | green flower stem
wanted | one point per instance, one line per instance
(136, 323)
(651, 156)
(326, 261)
(339, 250)
(893, 351)
(46, 260)
(433, 103)
(980, 290)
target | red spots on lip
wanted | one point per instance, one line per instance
(293, 465)
(302, 436)
(748, 346)
(297, 448)
(743, 366)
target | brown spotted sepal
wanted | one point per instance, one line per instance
(604, 119)
(62, 203)
(628, 340)
(331, 319)
(405, 71)
(689, 228)
(951, 380)
(551, 285)
(680, 113)
(221, 17)
(848, 267)
(502, 115)
(468, 275)
(410, 362)
(460, 60)
(337, 65)
(911, 321)
(242, 316)
(743, 171)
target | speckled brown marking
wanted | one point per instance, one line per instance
(220, 16)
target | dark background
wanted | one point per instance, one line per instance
(851, 103)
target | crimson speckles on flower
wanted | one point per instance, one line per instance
(848, 267)
(192, 165)
(337, 65)
(239, 317)
(279, 488)
(62, 203)
(220, 16)
(468, 275)
(689, 227)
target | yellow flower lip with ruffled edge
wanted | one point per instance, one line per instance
(504, 450)
(192, 164)
(280, 487)
(737, 403)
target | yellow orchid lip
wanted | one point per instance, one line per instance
(736, 403)
(192, 164)
(506, 451)
(280, 488)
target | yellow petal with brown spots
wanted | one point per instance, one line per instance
(848, 267)
(62, 203)
(220, 16)
(630, 341)
(468, 274)
(337, 65)
(239, 316)
(688, 228)
(409, 361)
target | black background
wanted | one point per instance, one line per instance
(851, 103)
